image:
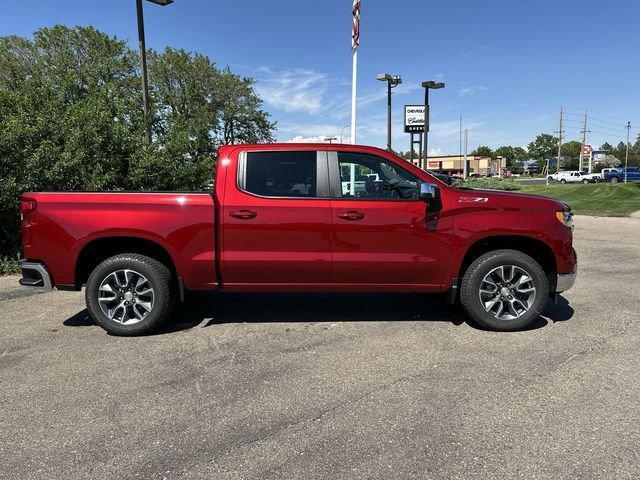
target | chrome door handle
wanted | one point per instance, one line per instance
(351, 215)
(243, 214)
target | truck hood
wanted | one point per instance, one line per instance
(503, 199)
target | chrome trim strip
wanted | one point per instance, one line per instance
(565, 281)
(41, 269)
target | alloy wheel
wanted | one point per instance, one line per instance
(126, 296)
(507, 292)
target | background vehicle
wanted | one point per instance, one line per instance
(591, 177)
(632, 175)
(607, 170)
(137, 253)
(572, 176)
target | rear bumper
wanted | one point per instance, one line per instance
(565, 281)
(35, 274)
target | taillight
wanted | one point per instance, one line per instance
(27, 206)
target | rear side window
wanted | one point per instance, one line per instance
(281, 174)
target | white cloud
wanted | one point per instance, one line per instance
(315, 139)
(435, 151)
(292, 90)
(471, 90)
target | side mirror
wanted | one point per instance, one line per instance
(429, 192)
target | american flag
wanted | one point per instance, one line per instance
(355, 32)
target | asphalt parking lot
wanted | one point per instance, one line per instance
(331, 386)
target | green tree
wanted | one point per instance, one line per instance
(71, 118)
(483, 151)
(511, 154)
(545, 146)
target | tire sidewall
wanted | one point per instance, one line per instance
(481, 267)
(138, 264)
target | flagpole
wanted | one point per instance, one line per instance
(354, 88)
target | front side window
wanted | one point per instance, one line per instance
(281, 174)
(370, 177)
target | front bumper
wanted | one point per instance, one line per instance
(565, 281)
(35, 274)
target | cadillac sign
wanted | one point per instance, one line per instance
(414, 118)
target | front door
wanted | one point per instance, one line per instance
(384, 238)
(276, 221)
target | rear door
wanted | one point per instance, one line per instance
(384, 236)
(276, 221)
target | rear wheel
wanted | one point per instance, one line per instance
(504, 290)
(615, 179)
(563, 181)
(585, 181)
(129, 294)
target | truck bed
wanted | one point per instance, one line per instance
(66, 226)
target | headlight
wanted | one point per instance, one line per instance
(565, 217)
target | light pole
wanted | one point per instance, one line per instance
(342, 132)
(427, 86)
(330, 139)
(392, 82)
(143, 61)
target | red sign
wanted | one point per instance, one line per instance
(586, 150)
(434, 164)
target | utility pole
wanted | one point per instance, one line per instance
(626, 157)
(466, 146)
(584, 132)
(560, 133)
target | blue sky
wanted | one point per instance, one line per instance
(508, 65)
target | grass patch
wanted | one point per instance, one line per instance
(603, 199)
(9, 266)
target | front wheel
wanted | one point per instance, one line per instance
(615, 179)
(129, 294)
(504, 290)
(563, 181)
(585, 181)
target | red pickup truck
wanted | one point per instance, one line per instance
(301, 217)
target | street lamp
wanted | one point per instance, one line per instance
(330, 139)
(392, 81)
(143, 61)
(429, 85)
(342, 132)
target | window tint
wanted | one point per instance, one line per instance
(367, 176)
(281, 174)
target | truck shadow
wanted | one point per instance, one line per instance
(207, 309)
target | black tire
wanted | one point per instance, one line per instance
(563, 181)
(472, 280)
(160, 279)
(615, 179)
(585, 181)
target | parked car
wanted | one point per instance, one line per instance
(632, 175)
(607, 170)
(572, 176)
(591, 177)
(501, 254)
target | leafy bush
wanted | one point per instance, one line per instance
(488, 184)
(9, 266)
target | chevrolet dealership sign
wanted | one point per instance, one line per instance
(414, 118)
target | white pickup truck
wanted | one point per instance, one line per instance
(574, 176)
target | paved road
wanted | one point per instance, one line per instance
(331, 386)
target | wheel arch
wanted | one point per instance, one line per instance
(535, 248)
(98, 250)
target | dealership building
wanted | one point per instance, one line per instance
(454, 164)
